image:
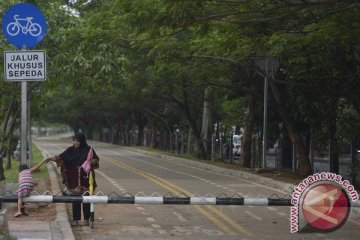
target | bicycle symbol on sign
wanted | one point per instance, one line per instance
(28, 26)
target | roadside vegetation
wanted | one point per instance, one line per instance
(11, 175)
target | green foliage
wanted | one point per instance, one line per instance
(110, 62)
(319, 62)
(349, 121)
(12, 174)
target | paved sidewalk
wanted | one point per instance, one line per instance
(29, 229)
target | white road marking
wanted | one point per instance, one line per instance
(162, 231)
(254, 216)
(271, 208)
(277, 211)
(354, 222)
(281, 214)
(179, 217)
(112, 181)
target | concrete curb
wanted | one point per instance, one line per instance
(60, 228)
(62, 217)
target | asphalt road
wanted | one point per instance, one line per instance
(126, 172)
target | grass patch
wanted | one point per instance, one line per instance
(4, 235)
(11, 175)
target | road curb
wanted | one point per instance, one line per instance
(61, 225)
(62, 217)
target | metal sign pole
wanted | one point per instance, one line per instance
(264, 63)
(266, 90)
(23, 142)
(29, 131)
(24, 35)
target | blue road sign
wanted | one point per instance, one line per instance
(24, 25)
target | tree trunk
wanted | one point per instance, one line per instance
(200, 152)
(333, 139)
(286, 151)
(8, 160)
(2, 175)
(140, 122)
(140, 135)
(304, 160)
(355, 144)
(206, 128)
(11, 114)
(154, 139)
(184, 105)
(245, 156)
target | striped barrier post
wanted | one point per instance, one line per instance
(150, 200)
(156, 200)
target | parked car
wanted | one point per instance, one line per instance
(237, 141)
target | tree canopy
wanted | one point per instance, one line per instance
(164, 66)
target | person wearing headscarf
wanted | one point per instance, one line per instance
(75, 164)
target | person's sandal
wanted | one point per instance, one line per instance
(18, 214)
(74, 223)
(23, 212)
(85, 223)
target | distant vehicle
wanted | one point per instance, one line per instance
(17, 152)
(237, 141)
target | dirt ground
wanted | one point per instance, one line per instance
(36, 211)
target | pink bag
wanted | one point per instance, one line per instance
(87, 164)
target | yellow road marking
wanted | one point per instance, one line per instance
(139, 172)
(214, 220)
(230, 176)
(213, 209)
(229, 220)
(177, 190)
